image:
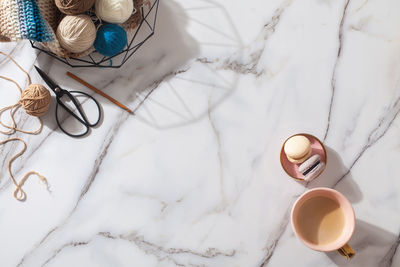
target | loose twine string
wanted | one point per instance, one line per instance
(19, 194)
(13, 128)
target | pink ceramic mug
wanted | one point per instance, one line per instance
(340, 243)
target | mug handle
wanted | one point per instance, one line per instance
(346, 251)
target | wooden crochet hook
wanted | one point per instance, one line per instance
(88, 85)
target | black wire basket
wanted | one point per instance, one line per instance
(138, 37)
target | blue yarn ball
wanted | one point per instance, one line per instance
(110, 40)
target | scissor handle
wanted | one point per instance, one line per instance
(83, 119)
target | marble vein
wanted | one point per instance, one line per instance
(269, 28)
(219, 148)
(387, 260)
(160, 252)
(252, 66)
(70, 244)
(104, 150)
(335, 66)
(147, 247)
(277, 235)
(361, 6)
(270, 248)
(375, 135)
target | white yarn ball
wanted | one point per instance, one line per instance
(114, 11)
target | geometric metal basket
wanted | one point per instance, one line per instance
(139, 36)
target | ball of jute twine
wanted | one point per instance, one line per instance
(36, 101)
(74, 7)
(76, 33)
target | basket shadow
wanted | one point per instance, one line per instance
(192, 93)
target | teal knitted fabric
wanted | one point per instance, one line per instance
(29, 23)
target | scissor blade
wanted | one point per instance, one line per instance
(47, 79)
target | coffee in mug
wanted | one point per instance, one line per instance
(324, 220)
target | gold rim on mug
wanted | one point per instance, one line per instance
(343, 247)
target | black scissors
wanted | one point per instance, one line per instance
(59, 92)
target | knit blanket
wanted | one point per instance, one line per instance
(25, 19)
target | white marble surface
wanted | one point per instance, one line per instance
(193, 178)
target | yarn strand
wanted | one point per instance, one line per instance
(24, 71)
(27, 100)
(19, 194)
(13, 128)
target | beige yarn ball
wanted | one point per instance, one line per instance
(76, 33)
(74, 7)
(35, 100)
(114, 11)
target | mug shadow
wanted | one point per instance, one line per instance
(335, 169)
(170, 48)
(373, 246)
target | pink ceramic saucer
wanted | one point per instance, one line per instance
(316, 148)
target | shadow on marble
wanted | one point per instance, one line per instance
(157, 60)
(371, 244)
(335, 169)
(208, 81)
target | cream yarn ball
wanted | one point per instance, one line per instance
(114, 11)
(76, 33)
